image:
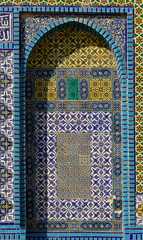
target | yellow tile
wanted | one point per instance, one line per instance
(94, 83)
(106, 84)
(51, 94)
(51, 84)
(95, 94)
(39, 84)
(106, 95)
(40, 95)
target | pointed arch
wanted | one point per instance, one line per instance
(83, 24)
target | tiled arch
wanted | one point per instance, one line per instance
(95, 30)
(84, 24)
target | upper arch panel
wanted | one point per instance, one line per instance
(72, 47)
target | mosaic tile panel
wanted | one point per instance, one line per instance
(138, 47)
(73, 170)
(81, 49)
(100, 89)
(85, 87)
(115, 26)
(139, 210)
(73, 206)
(6, 134)
(52, 120)
(45, 89)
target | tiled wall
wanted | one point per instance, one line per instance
(6, 88)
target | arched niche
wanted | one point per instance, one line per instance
(73, 134)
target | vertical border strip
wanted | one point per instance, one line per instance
(16, 120)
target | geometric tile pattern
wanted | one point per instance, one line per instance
(139, 210)
(6, 135)
(71, 2)
(100, 89)
(115, 204)
(45, 89)
(96, 176)
(112, 25)
(6, 68)
(54, 202)
(73, 88)
(5, 175)
(73, 165)
(81, 49)
(5, 207)
(63, 87)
